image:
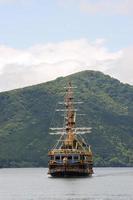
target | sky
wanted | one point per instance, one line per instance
(41, 40)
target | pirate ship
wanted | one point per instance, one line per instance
(71, 155)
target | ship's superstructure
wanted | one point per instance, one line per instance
(71, 155)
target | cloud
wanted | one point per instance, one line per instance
(108, 7)
(123, 68)
(41, 63)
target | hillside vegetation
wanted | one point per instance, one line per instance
(26, 115)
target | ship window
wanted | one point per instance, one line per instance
(52, 157)
(69, 157)
(57, 157)
(62, 157)
(82, 157)
(76, 157)
(86, 157)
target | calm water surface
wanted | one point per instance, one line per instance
(34, 184)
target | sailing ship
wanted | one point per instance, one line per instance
(71, 155)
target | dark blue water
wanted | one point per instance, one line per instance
(34, 184)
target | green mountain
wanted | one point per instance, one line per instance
(26, 115)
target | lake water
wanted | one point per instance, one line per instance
(34, 184)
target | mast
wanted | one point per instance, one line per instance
(70, 112)
(70, 117)
(69, 133)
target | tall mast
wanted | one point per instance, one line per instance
(69, 129)
(70, 117)
(70, 112)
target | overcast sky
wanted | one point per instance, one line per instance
(44, 39)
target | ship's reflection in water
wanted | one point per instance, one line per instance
(34, 184)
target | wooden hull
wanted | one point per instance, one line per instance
(70, 171)
(69, 174)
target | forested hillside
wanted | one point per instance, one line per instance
(26, 115)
